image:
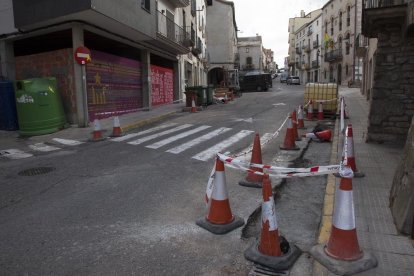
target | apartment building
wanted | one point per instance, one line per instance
(251, 53)
(341, 28)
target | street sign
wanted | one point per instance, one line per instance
(82, 55)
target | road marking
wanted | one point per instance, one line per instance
(132, 135)
(147, 138)
(43, 147)
(176, 137)
(198, 140)
(15, 154)
(248, 120)
(67, 142)
(265, 137)
(211, 152)
(276, 104)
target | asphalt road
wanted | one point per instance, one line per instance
(114, 208)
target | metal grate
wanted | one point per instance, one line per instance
(36, 171)
(259, 270)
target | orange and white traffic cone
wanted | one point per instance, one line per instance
(321, 136)
(97, 131)
(295, 126)
(252, 179)
(301, 123)
(193, 105)
(309, 116)
(320, 112)
(348, 154)
(220, 219)
(342, 254)
(116, 130)
(269, 251)
(289, 143)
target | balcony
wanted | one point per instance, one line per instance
(306, 66)
(310, 32)
(315, 44)
(175, 39)
(248, 67)
(315, 64)
(376, 13)
(298, 50)
(307, 48)
(180, 3)
(361, 44)
(333, 55)
(198, 49)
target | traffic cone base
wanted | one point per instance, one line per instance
(301, 123)
(220, 229)
(342, 267)
(254, 180)
(277, 263)
(116, 130)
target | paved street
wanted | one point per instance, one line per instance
(128, 205)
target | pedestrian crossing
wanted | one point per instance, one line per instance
(171, 138)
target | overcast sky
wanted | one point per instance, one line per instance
(270, 19)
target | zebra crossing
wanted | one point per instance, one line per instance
(172, 138)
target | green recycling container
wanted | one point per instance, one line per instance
(201, 92)
(39, 106)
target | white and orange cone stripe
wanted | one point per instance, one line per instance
(269, 237)
(116, 130)
(310, 111)
(97, 132)
(343, 241)
(301, 123)
(193, 106)
(219, 211)
(320, 111)
(349, 146)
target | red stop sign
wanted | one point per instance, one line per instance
(82, 55)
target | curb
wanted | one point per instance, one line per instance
(147, 121)
(328, 203)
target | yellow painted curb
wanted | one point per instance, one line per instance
(146, 122)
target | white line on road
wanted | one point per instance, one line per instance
(147, 138)
(15, 154)
(132, 135)
(211, 152)
(43, 147)
(176, 137)
(67, 142)
(198, 140)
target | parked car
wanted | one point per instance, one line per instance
(293, 80)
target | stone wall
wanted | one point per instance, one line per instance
(402, 191)
(392, 105)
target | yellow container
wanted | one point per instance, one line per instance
(322, 92)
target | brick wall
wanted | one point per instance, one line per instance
(58, 64)
(392, 106)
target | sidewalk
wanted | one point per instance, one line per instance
(374, 223)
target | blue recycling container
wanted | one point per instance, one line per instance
(8, 112)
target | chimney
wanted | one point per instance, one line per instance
(302, 13)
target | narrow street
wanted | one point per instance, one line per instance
(128, 206)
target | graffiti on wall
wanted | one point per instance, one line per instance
(114, 85)
(162, 85)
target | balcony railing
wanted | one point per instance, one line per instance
(248, 67)
(298, 50)
(307, 48)
(374, 4)
(307, 66)
(315, 44)
(310, 32)
(171, 31)
(180, 3)
(333, 55)
(315, 64)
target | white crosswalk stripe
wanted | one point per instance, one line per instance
(15, 154)
(176, 137)
(211, 152)
(157, 135)
(132, 135)
(67, 142)
(43, 147)
(198, 140)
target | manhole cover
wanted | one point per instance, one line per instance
(36, 171)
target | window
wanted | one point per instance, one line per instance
(340, 21)
(249, 60)
(247, 50)
(146, 5)
(347, 44)
(348, 16)
(332, 21)
(346, 70)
